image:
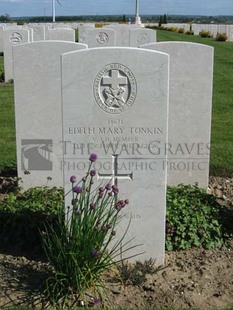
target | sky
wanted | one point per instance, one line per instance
(17, 8)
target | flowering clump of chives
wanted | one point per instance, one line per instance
(87, 248)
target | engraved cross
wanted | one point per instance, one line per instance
(115, 176)
(114, 80)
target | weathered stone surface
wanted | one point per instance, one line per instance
(114, 109)
(37, 84)
(189, 128)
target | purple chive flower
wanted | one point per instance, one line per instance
(118, 206)
(113, 233)
(108, 187)
(95, 254)
(122, 203)
(77, 189)
(101, 189)
(84, 179)
(92, 173)
(115, 189)
(126, 201)
(92, 206)
(78, 211)
(97, 302)
(104, 228)
(93, 157)
(109, 226)
(110, 194)
(73, 179)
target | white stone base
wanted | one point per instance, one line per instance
(138, 20)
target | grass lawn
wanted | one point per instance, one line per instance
(222, 112)
(7, 125)
(221, 162)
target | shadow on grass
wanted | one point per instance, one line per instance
(219, 171)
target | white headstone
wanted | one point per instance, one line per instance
(228, 32)
(74, 26)
(38, 32)
(61, 34)
(1, 38)
(214, 30)
(222, 28)
(230, 38)
(141, 36)
(196, 29)
(61, 25)
(13, 26)
(122, 34)
(12, 37)
(83, 33)
(101, 37)
(31, 34)
(114, 110)
(189, 129)
(47, 28)
(37, 82)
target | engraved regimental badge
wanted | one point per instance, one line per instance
(143, 38)
(15, 38)
(115, 88)
(102, 38)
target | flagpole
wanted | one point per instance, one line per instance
(137, 17)
(53, 3)
(137, 8)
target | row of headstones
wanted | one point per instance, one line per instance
(45, 31)
(39, 33)
(14, 35)
(145, 111)
(120, 35)
(93, 37)
(116, 35)
(214, 29)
